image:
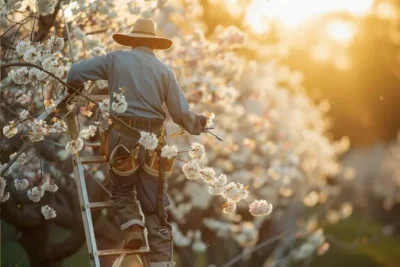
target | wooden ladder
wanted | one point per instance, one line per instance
(87, 206)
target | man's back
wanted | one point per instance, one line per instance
(145, 78)
(148, 83)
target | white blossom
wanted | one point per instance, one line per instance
(38, 130)
(148, 140)
(198, 245)
(22, 47)
(197, 151)
(88, 132)
(104, 107)
(119, 105)
(48, 212)
(210, 120)
(208, 174)
(20, 76)
(55, 44)
(21, 184)
(216, 190)
(50, 187)
(74, 146)
(35, 194)
(59, 71)
(49, 64)
(91, 42)
(229, 207)
(191, 170)
(23, 98)
(10, 130)
(37, 75)
(31, 55)
(260, 208)
(169, 151)
(23, 115)
(58, 127)
(221, 180)
(22, 159)
(235, 192)
(180, 239)
(98, 51)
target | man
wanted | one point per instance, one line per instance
(149, 84)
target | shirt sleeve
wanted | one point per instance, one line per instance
(178, 108)
(91, 69)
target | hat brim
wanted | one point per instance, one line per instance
(155, 42)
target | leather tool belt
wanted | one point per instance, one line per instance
(154, 164)
(125, 128)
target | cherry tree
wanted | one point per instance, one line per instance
(269, 177)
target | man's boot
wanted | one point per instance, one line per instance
(134, 237)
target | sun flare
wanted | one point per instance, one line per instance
(291, 13)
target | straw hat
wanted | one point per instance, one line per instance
(144, 31)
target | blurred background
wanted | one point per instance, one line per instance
(344, 57)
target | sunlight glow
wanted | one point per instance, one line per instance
(294, 13)
(341, 31)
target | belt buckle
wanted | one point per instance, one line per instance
(162, 230)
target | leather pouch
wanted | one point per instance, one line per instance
(124, 162)
(152, 166)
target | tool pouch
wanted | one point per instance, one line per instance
(124, 162)
(152, 163)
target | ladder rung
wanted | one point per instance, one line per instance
(93, 159)
(100, 205)
(113, 252)
(91, 144)
(95, 98)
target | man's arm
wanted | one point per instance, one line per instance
(178, 108)
(91, 69)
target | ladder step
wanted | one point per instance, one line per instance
(94, 98)
(93, 159)
(91, 144)
(113, 252)
(100, 205)
(119, 260)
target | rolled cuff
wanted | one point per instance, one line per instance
(198, 125)
(132, 222)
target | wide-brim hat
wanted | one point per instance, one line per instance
(145, 30)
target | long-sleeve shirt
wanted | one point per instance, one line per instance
(149, 84)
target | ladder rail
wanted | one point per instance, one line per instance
(86, 214)
(87, 206)
(82, 193)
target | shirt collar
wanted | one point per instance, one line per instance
(144, 48)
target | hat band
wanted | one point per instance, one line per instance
(144, 32)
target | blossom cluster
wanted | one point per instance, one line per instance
(119, 104)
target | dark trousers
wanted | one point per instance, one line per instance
(127, 209)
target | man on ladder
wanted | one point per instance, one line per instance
(149, 84)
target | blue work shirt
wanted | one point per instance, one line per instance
(149, 84)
